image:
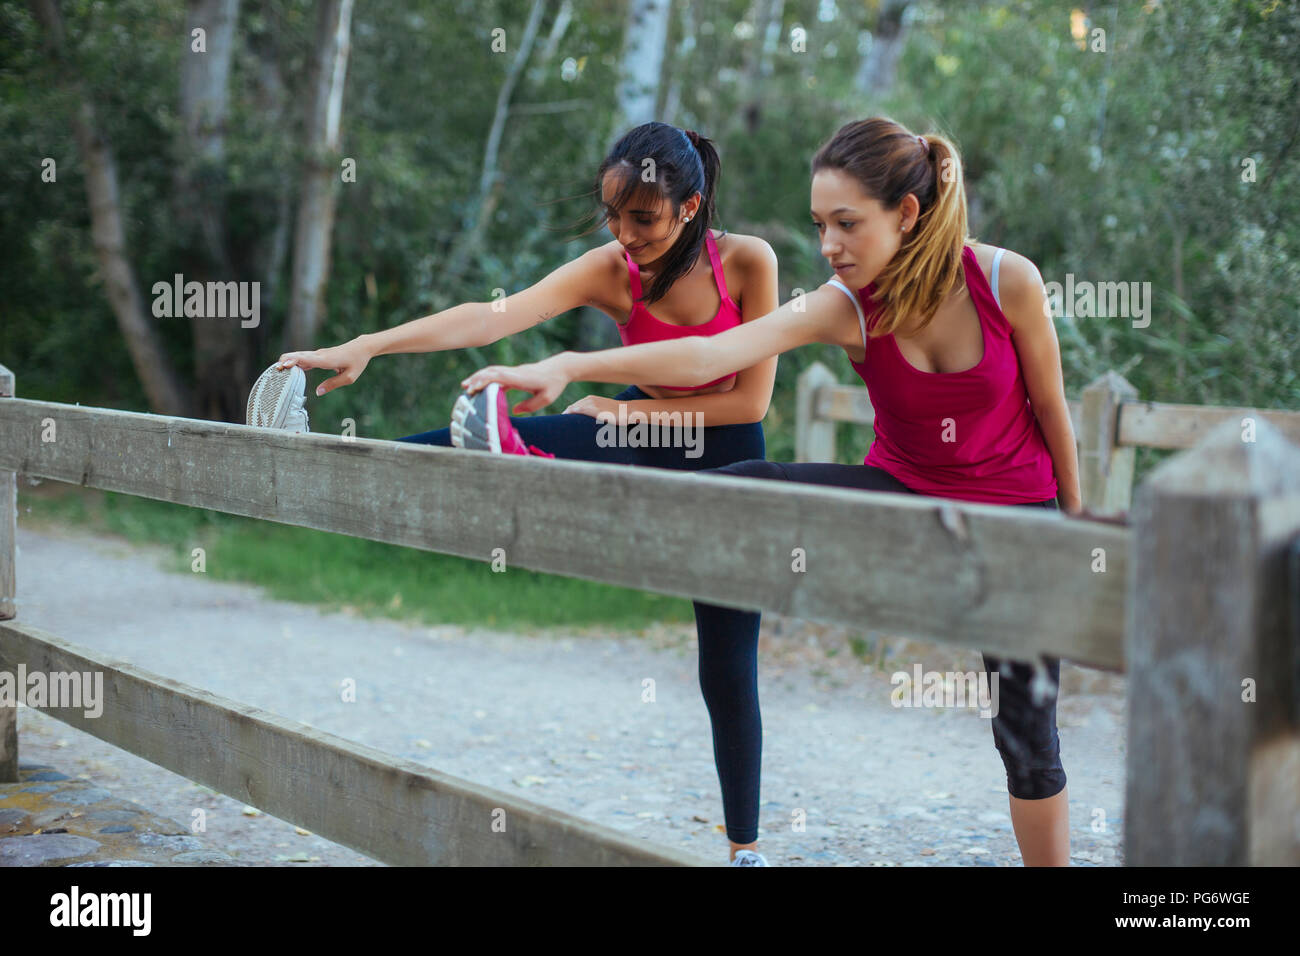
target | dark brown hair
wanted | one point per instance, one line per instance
(684, 163)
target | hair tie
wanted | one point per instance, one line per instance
(924, 145)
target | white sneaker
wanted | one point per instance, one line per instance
(748, 858)
(276, 400)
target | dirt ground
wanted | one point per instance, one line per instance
(558, 717)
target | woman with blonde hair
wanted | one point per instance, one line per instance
(957, 348)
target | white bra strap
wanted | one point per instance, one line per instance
(997, 257)
(862, 321)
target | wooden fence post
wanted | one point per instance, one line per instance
(814, 438)
(1213, 763)
(1105, 471)
(8, 548)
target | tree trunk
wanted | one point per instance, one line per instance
(679, 72)
(315, 225)
(163, 388)
(879, 67)
(223, 350)
(767, 36)
(644, 40)
(268, 255)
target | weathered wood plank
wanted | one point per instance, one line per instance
(8, 592)
(1012, 580)
(814, 436)
(1163, 425)
(1211, 764)
(390, 809)
(1141, 424)
(845, 403)
(1105, 469)
(8, 518)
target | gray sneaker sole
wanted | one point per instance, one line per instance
(473, 421)
(269, 399)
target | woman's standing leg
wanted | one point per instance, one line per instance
(1025, 728)
(729, 659)
(728, 645)
(728, 638)
(1024, 732)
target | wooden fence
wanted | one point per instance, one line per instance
(1189, 600)
(1109, 422)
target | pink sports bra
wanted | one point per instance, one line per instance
(641, 326)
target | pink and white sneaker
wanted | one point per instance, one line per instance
(482, 422)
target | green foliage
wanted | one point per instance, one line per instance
(1123, 165)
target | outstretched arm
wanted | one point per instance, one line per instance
(466, 325)
(818, 316)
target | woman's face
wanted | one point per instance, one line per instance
(645, 226)
(858, 235)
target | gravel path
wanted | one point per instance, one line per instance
(558, 717)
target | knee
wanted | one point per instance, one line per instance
(1036, 784)
(1032, 759)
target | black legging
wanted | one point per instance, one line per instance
(1024, 731)
(728, 639)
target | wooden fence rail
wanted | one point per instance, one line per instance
(1190, 599)
(393, 810)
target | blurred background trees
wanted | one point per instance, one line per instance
(1118, 142)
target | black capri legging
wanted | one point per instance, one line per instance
(1024, 730)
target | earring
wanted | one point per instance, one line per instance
(686, 219)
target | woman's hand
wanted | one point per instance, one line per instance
(1084, 514)
(592, 405)
(544, 379)
(349, 360)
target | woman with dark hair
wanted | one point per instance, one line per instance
(955, 343)
(657, 189)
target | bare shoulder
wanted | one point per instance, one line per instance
(610, 288)
(1019, 281)
(747, 252)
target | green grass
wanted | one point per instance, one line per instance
(336, 571)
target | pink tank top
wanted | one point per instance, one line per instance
(970, 435)
(641, 326)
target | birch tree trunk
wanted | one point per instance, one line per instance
(767, 35)
(644, 40)
(679, 72)
(163, 388)
(315, 223)
(879, 67)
